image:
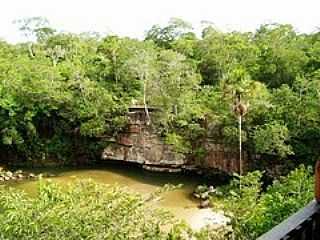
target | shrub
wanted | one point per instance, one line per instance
(254, 212)
(86, 210)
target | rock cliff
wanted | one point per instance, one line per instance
(141, 144)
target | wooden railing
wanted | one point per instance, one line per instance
(304, 224)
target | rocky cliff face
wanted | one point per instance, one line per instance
(141, 144)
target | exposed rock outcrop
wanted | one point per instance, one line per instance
(6, 175)
(140, 143)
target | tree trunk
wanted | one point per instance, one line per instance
(145, 102)
(115, 70)
(30, 50)
(240, 145)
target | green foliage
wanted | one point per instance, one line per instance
(285, 196)
(180, 145)
(271, 138)
(219, 53)
(165, 36)
(254, 211)
(62, 95)
(240, 204)
(282, 56)
(64, 87)
(86, 210)
(49, 96)
(35, 27)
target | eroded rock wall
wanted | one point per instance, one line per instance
(141, 144)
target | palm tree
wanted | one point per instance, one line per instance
(240, 109)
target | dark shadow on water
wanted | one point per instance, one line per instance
(129, 170)
(128, 175)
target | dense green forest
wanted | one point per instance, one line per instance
(64, 94)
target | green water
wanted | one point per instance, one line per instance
(179, 202)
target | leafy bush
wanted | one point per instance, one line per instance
(178, 142)
(285, 196)
(86, 210)
(241, 204)
(271, 139)
(254, 211)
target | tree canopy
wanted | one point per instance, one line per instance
(63, 93)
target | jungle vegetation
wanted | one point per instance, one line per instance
(64, 94)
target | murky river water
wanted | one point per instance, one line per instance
(179, 202)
